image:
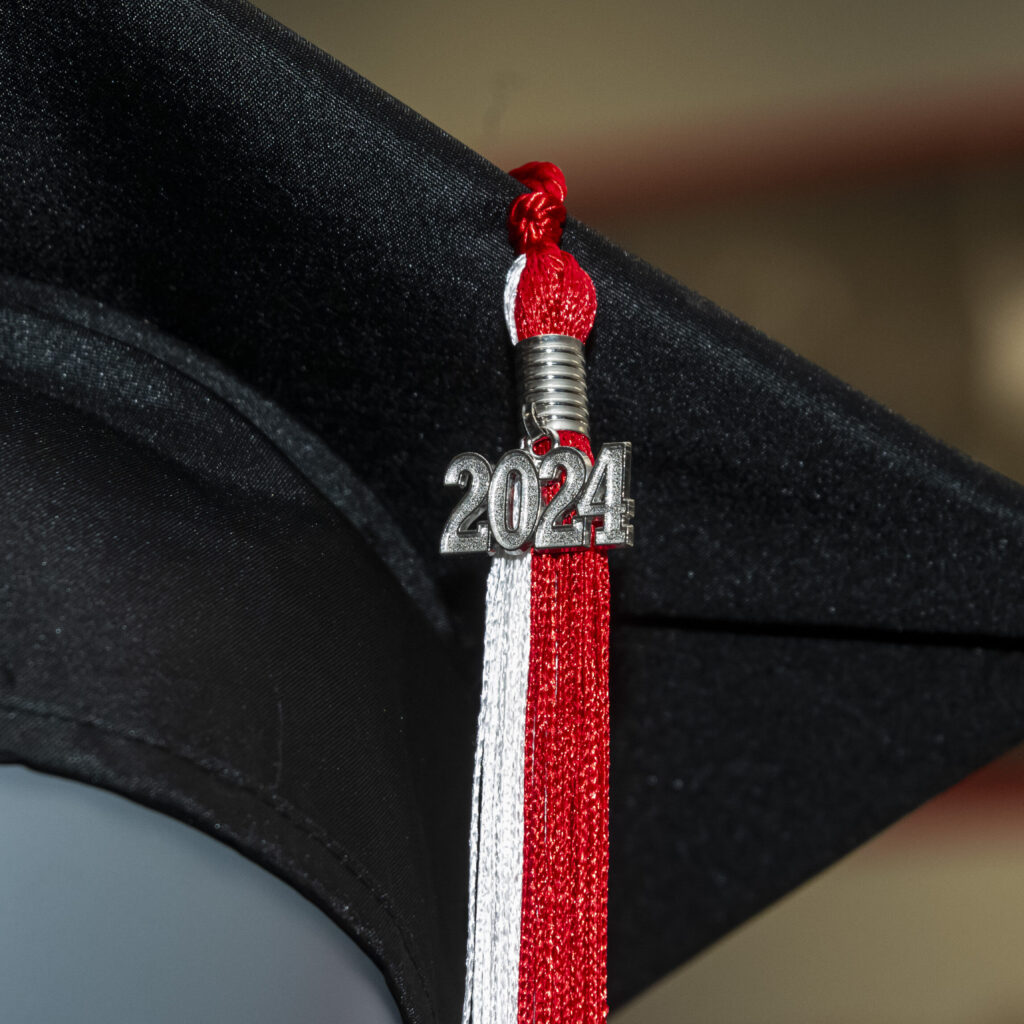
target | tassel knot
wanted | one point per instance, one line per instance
(535, 220)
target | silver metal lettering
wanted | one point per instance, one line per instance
(465, 532)
(552, 531)
(513, 500)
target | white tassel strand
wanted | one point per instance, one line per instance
(496, 826)
(496, 830)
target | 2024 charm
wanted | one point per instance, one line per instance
(502, 508)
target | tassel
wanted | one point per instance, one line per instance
(563, 946)
(538, 907)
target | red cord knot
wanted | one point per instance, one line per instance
(535, 219)
(541, 176)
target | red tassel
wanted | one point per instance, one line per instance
(563, 951)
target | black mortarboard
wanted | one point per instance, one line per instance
(251, 305)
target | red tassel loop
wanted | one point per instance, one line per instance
(563, 950)
(536, 217)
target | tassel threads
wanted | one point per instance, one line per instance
(537, 946)
(563, 946)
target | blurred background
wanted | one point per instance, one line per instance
(850, 179)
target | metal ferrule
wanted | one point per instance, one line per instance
(553, 382)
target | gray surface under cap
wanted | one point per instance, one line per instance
(111, 913)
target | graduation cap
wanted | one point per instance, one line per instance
(250, 307)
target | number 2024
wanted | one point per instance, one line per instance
(502, 504)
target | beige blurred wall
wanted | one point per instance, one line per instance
(518, 78)
(925, 934)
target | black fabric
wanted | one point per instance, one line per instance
(188, 621)
(227, 497)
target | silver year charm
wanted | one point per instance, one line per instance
(501, 508)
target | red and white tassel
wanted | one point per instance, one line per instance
(537, 947)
